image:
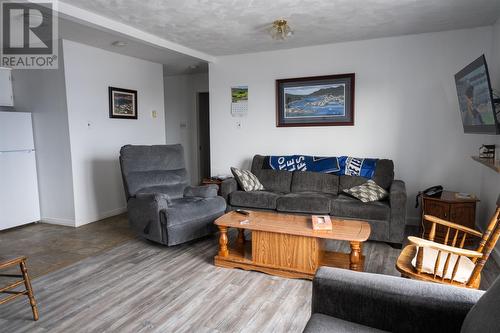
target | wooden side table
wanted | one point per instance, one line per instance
(450, 208)
(208, 181)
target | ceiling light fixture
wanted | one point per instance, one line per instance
(281, 30)
(119, 43)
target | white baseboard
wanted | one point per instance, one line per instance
(58, 221)
(100, 216)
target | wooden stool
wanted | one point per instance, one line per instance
(21, 261)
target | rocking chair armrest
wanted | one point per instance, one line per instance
(437, 220)
(445, 248)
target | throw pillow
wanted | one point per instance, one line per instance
(247, 180)
(368, 192)
(462, 275)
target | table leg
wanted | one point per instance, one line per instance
(241, 236)
(355, 256)
(223, 250)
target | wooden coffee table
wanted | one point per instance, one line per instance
(286, 245)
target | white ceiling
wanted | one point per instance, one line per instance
(221, 27)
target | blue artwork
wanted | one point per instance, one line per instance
(326, 100)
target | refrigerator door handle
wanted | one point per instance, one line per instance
(17, 151)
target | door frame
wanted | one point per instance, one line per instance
(198, 141)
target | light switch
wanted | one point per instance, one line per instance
(239, 124)
(154, 114)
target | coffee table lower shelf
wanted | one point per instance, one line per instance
(240, 256)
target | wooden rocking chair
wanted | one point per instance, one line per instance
(449, 263)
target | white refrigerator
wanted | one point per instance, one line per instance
(19, 202)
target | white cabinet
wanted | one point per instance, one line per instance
(6, 95)
(19, 195)
(19, 202)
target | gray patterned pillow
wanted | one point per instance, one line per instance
(368, 192)
(247, 180)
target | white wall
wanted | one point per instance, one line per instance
(95, 138)
(181, 116)
(495, 64)
(490, 180)
(42, 92)
(405, 102)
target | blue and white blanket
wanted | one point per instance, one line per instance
(343, 165)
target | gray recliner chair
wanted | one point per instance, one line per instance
(162, 207)
(347, 301)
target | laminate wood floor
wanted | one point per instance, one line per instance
(50, 247)
(139, 286)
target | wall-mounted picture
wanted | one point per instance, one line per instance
(239, 100)
(315, 101)
(122, 103)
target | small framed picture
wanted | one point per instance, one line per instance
(122, 103)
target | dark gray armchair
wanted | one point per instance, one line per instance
(347, 301)
(162, 207)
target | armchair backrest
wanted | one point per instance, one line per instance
(483, 317)
(150, 167)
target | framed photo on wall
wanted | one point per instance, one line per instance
(122, 103)
(315, 101)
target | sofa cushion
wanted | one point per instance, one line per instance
(368, 192)
(176, 179)
(345, 206)
(315, 181)
(247, 180)
(274, 180)
(347, 182)
(383, 176)
(254, 199)
(320, 323)
(305, 202)
(384, 173)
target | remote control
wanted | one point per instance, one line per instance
(242, 212)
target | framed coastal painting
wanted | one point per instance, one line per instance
(122, 103)
(315, 101)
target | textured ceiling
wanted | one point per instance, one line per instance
(174, 63)
(220, 27)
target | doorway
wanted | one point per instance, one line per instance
(204, 134)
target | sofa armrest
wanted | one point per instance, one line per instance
(205, 191)
(397, 200)
(228, 186)
(144, 212)
(391, 303)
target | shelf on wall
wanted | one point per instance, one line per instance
(490, 163)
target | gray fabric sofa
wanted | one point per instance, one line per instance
(162, 207)
(348, 301)
(305, 192)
